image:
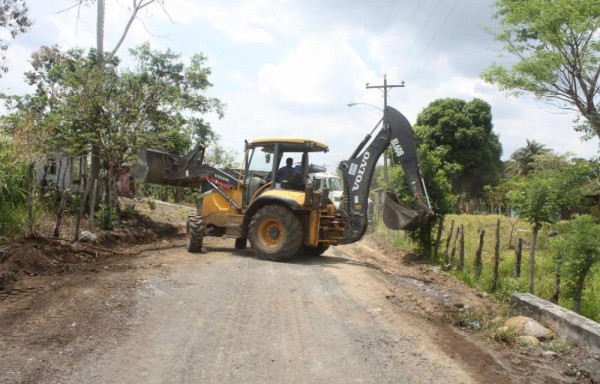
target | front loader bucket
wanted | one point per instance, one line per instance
(397, 216)
(153, 166)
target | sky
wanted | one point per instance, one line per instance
(289, 68)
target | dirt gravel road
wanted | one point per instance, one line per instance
(224, 316)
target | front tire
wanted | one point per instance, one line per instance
(194, 234)
(275, 233)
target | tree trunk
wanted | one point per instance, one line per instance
(518, 255)
(44, 181)
(177, 195)
(95, 160)
(30, 193)
(579, 287)
(106, 216)
(92, 204)
(532, 258)
(557, 273)
(82, 206)
(94, 176)
(63, 199)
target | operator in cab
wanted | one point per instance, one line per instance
(284, 174)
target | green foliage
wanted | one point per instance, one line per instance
(523, 158)
(152, 204)
(461, 134)
(556, 45)
(14, 18)
(130, 209)
(13, 190)
(106, 216)
(549, 192)
(155, 104)
(579, 247)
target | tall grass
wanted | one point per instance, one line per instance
(13, 192)
(544, 269)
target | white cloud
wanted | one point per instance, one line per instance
(289, 68)
(321, 70)
(250, 21)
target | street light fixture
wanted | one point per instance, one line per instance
(352, 104)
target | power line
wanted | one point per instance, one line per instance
(389, 15)
(412, 17)
(418, 57)
(440, 27)
(426, 23)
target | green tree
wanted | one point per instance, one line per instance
(158, 103)
(579, 247)
(544, 196)
(461, 134)
(556, 45)
(14, 18)
(524, 157)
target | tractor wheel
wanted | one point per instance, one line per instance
(194, 234)
(313, 251)
(275, 233)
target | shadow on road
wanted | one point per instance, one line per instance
(298, 259)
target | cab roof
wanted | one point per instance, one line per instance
(290, 144)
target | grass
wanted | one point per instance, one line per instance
(507, 284)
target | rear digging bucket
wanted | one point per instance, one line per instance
(398, 216)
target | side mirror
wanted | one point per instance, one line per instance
(268, 158)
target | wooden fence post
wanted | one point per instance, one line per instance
(438, 238)
(448, 241)
(461, 249)
(454, 246)
(496, 258)
(534, 236)
(478, 257)
(518, 254)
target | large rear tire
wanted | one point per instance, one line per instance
(275, 233)
(194, 234)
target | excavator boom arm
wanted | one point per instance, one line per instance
(358, 172)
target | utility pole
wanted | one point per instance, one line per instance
(385, 88)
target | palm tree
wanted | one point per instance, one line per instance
(525, 156)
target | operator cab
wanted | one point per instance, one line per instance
(263, 159)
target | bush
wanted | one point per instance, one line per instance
(13, 192)
(107, 216)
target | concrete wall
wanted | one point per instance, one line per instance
(566, 323)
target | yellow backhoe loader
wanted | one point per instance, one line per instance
(283, 217)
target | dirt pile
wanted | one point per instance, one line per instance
(41, 256)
